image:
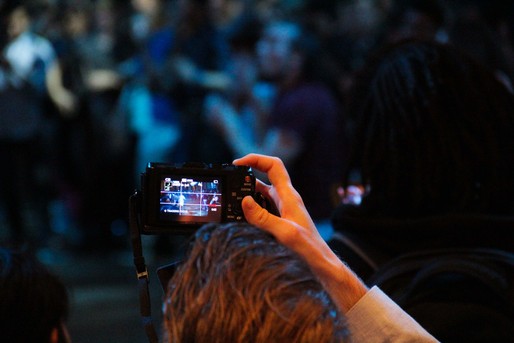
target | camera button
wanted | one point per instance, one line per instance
(237, 209)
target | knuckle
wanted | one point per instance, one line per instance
(278, 161)
(261, 216)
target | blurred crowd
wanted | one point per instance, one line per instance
(91, 91)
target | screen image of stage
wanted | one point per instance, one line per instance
(181, 198)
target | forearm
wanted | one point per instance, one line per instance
(232, 129)
(343, 285)
(60, 96)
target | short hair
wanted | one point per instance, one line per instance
(33, 301)
(433, 133)
(238, 284)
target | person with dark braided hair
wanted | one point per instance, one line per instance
(433, 152)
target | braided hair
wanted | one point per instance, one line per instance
(433, 134)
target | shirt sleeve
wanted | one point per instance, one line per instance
(45, 51)
(377, 318)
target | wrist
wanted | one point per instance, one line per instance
(342, 284)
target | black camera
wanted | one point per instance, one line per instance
(179, 198)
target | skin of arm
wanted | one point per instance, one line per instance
(65, 100)
(296, 230)
(188, 72)
(283, 144)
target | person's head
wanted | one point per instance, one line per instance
(33, 301)
(19, 21)
(275, 48)
(433, 134)
(287, 53)
(147, 7)
(238, 284)
(77, 20)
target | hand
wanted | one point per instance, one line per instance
(67, 103)
(296, 230)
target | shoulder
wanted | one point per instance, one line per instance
(42, 46)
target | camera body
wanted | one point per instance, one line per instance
(179, 198)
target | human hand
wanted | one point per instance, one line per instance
(296, 230)
(67, 103)
(102, 79)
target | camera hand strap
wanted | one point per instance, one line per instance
(141, 269)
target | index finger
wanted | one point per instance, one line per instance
(286, 198)
(272, 166)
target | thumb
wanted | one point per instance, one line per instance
(256, 215)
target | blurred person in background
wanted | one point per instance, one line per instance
(145, 99)
(94, 148)
(248, 98)
(302, 124)
(198, 62)
(30, 75)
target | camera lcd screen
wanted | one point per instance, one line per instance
(190, 199)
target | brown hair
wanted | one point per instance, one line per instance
(238, 284)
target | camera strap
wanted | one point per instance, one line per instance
(141, 269)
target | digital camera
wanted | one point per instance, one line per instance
(179, 198)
